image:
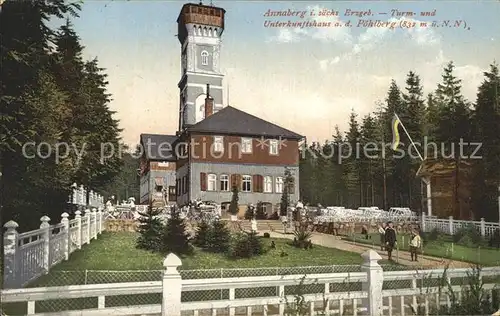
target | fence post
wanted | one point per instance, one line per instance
(423, 224)
(172, 286)
(78, 216)
(87, 216)
(483, 227)
(450, 225)
(65, 222)
(46, 243)
(99, 215)
(10, 245)
(94, 216)
(375, 280)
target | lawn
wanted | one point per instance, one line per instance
(114, 258)
(117, 251)
(484, 256)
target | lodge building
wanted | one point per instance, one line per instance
(216, 146)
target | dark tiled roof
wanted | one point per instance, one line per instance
(436, 167)
(232, 121)
(159, 147)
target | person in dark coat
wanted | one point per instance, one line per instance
(390, 239)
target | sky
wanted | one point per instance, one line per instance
(306, 79)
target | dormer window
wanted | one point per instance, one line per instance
(246, 145)
(273, 147)
(204, 58)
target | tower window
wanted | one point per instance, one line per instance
(204, 58)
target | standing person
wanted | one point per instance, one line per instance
(415, 244)
(381, 231)
(390, 239)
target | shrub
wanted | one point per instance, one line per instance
(233, 206)
(495, 239)
(302, 237)
(150, 230)
(246, 245)
(202, 234)
(468, 236)
(175, 237)
(219, 237)
(266, 235)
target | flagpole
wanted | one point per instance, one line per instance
(406, 132)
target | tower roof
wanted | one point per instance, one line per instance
(200, 9)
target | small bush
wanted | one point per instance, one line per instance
(495, 239)
(175, 238)
(246, 245)
(266, 235)
(150, 230)
(468, 237)
(219, 237)
(202, 234)
(302, 237)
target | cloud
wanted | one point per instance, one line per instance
(286, 36)
(374, 37)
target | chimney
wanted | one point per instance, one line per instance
(209, 103)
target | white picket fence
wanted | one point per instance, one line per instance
(409, 289)
(78, 196)
(30, 255)
(450, 226)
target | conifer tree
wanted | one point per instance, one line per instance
(219, 237)
(175, 237)
(487, 132)
(285, 195)
(202, 234)
(150, 229)
(352, 164)
(233, 205)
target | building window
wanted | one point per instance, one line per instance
(218, 144)
(224, 182)
(246, 145)
(163, 164)
(279, 185)
(204, 58)
(212, 182)
(184, 185)
(171, 194)
(273, 147)
(246, 184)
(268, 184)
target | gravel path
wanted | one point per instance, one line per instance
(331, 241)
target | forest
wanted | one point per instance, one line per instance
(50, 94)
(388, 179)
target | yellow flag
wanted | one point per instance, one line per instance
(395, 132)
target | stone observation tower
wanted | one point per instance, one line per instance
(200, 29)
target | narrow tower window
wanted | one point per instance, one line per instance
(204, 58)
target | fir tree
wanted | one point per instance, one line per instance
(487, 131)
(150, 230)
(285, 195)
(219, 237)
(233, 205)
(202, 234)
(175, 238)
(352, 164)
